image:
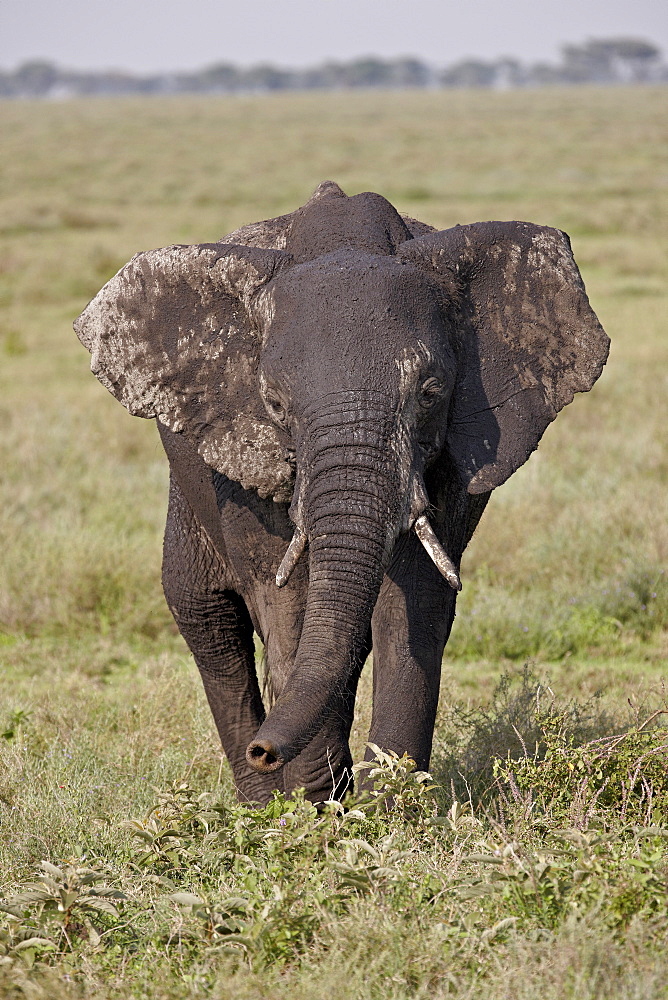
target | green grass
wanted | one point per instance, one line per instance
(532, 886)
(99, 701)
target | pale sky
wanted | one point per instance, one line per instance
(152, 35)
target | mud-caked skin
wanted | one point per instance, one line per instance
(338, 392)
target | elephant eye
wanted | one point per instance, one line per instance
(430, 392)
(276, 409)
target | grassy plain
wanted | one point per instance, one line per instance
(566, 569)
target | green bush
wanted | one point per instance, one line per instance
(622, 778)
(523, 716)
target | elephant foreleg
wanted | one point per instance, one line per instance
(411, 624)
(217, 628)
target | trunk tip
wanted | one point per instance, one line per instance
(264, 757)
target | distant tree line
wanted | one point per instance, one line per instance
(599, 61)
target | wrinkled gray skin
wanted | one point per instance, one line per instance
(336, 373)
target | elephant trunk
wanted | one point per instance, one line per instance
(353, 505)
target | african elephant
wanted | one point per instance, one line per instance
(338, 391)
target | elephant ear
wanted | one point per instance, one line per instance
(526, 339)
(171, 336)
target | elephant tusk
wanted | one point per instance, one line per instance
(291, 557)
(435, 550)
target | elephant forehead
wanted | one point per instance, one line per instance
(344, 291)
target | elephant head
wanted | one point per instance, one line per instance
(332, 366)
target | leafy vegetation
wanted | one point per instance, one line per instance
(220, 896)
(533, 861)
